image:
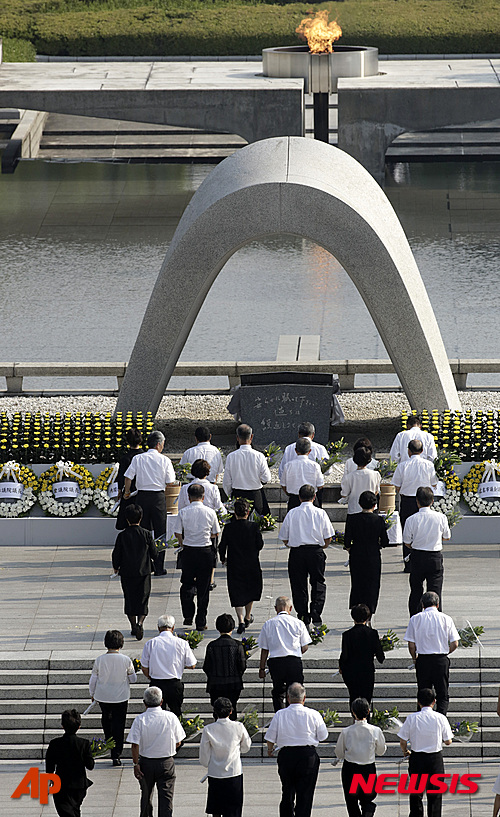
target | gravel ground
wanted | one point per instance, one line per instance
(375, 414)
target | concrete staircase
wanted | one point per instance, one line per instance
(34, 692)
(331, 494)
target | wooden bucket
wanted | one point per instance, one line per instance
(171, 495)
(387, 502)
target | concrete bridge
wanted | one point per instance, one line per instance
(234, 97)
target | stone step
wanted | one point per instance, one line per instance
(325, 675)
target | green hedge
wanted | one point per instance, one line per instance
(236, 27)
(18, 51)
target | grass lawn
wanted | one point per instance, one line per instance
(239, 27)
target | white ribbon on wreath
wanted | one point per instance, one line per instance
(9, 471)
(491, 469)
(113, 475)
(64, 470)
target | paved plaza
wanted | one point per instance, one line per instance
(61, 600)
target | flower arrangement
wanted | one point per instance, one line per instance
(249, 645)
(265, 523)
(162, 543)
(22, 475)
(386, 468)
(470, 485)
(137, 664)
(453, 517)
(104, 498)
(387, 720)
(446, 473)
(193, 638)
(389, 519)
(390, 641)
(67, 471)
(340, 537)
(99, 747)
(250, 720)
(334, 450)
(469, 636)
(273, 454)
(80, 437)
(463, 730)
(192, 725)
(331, 717)
(444, 463)
(318, 633)
(182, 472)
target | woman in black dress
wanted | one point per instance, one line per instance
(240, 544)
(360, 645)
(132, 555)
(134, 442)
(365, 535)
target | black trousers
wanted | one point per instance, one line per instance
(227, 691)
(172, 691)
(359, 804)
(284, 671)
(360, 683)
(303, 562)
(407, 507)
(425, 566)
(113, 717)
(298, 768)
(197, 564)
(434, 671)
(257, 497)
(68, 803)
(426, 763)
(154, 517)
(159, 771)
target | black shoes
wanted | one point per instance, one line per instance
(133, 631)
(161, 573)
(248, 621)
(117, 761)
(139, 632)
(241, 628)
(187, 622)
(212, 586)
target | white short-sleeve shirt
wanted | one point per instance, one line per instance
(152, 471)
(306, 525)
(426, 529)
(360, 742)
(156, 732)
(198, 524)
(301, 471)
(353, 485)
(399, 448)
(317, 452)
(297, 725)
(426, 730)
(211, 498)
(167, 656)
(284, 635)
(111, 677)
(220, 747)
(413, 474)
(350, 466)
(246, 469)
(205, 451)
(431, 631)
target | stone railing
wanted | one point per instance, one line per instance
(347, 370)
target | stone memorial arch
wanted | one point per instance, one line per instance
(306, 188)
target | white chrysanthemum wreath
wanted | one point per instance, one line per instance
(480, 474)
(105, 496)
(448, 502)
(13, 472)
(65, 472)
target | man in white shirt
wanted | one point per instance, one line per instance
(357, 746)
(317, 452)
(307, 531)
(164, 659)
(296, 731)
(432, 637)
(282, 641)
(410, 475)
(204, 450)
(424, 534)
(196, 528)
(152, 472)
(155, 736)
(246, 471)
(399, 448)
(300, 471)
(426, 731)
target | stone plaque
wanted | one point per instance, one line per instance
(275, 410)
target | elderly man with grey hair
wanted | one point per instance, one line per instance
(296, 731)
(164, 659)
(432, 637)
(282, 641)
(153, 472)
(155, 736)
